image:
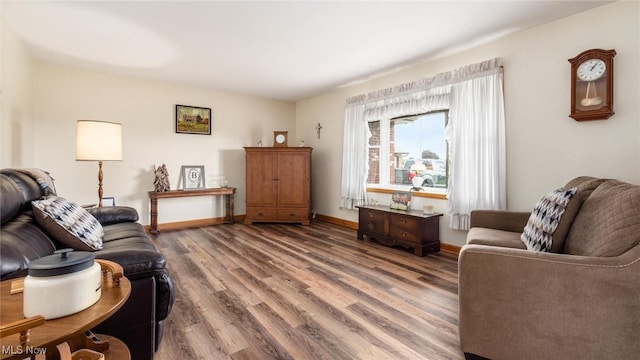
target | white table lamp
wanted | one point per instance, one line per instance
(98, 141)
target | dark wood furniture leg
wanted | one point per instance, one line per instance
(228, 201)
(154, 216)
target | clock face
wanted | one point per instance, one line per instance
(280, 138)
(591, 70)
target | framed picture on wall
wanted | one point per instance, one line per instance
(193, 120)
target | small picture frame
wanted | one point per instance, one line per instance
(193, 120)
(108, 201)
(401, 200)
(192, 177)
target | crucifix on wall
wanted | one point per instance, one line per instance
(318, 128)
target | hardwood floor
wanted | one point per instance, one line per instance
(276, 291)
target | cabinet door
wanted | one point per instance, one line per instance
(261, 179)
(294, 179)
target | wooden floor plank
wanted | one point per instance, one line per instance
(270, 297)
(281, 291)
(294, 341)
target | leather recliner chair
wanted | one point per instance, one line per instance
(139, 322)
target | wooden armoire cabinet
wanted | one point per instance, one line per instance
(278, 181)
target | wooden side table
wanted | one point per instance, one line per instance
(407, 228)
(44, 338)
(227, 192)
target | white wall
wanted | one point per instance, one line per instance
(545, 148)
(16, 101)
(147, 111)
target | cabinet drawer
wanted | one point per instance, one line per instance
(405, 222)
(404, 235)
(405, 228)
(372, 221)
(293, 214)
(261, 213)
(372, 227)
(368, 216)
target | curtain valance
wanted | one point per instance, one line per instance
(420, 96)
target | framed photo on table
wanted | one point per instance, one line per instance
(108, 201)
(192, 177)
(401, 200)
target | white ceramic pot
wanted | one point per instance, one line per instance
(62, 284)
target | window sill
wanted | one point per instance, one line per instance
(422, 194)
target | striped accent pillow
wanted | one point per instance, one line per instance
(544, 219)
(68, 223)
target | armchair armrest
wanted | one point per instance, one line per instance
(518, 304)
(107, 215)
(514, 221)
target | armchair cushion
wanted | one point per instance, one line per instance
(499, 219)
(585, 186)
(544, 220)
(108, 215)
(69, 223)
(495, 237)
(607, 224)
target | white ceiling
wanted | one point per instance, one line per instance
(278, 50)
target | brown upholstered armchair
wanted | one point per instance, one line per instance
(580, 302)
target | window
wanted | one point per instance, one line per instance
(409, 151)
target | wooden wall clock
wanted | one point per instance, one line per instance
(592, 85)
(280, 138)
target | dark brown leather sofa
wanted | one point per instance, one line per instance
(139, 322)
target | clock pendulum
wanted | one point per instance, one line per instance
(593, 101)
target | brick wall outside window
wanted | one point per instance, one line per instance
(374, 153)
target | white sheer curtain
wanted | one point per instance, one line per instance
(355, 162)
(476, 136)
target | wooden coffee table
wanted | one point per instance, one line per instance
(45, 338)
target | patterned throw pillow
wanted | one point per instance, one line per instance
(544, 219)
(69, 223)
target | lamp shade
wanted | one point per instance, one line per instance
(98, 140)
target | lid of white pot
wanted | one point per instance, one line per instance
(61, 262)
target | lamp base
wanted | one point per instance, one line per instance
(100, 176)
